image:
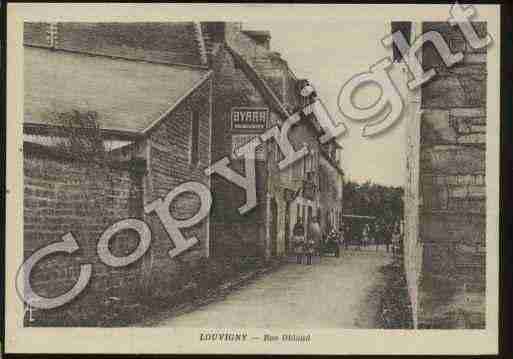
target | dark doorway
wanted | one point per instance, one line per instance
(287, 228)
(274, 228)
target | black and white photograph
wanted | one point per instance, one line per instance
(253, 184)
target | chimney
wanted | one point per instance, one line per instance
(52, 35)
(216, 33)
(262, 38)
(214, 30)
(200, 40)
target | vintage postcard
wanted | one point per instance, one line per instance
(252, 179)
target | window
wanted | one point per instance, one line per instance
(277, 153)
(405, 28)
(298, 168)
(195, 138)
(333, 152)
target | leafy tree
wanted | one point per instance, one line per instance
(82, 134)
(372, 199)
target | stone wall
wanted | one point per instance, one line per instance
(445, 199)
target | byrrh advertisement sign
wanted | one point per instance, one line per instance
(249, 119)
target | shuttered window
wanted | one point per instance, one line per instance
(195, 138)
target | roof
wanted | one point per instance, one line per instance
(169, 42)
(268, 94)
(355, 216)
(258, 35)
(128, 95)
(55, 141)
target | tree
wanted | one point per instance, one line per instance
(81, 134)
(371, 199)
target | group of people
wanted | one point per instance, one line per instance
(307, 246)
(373, 232)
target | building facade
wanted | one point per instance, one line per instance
(169, 99)
(445, 203)
(248, 75)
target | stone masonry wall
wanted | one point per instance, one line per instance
(452, 187)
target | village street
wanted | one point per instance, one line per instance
(335, 293)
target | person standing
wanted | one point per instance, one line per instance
(299, 241)
(381, 233)
(388, 236)
(309, 250)
(347, 236)
(333, 242)
(377, 234)
(341, 239)
(372, 232)
(358, 233)
(314, 240)
(365, 236)
(396, 238)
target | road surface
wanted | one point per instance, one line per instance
(335, 293)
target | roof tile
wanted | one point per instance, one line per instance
(170, 42)
(127, 95)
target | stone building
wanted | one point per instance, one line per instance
(445, 204)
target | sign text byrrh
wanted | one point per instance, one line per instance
(247, 119)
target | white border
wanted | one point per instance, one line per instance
(186, 340)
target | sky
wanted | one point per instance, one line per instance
(329, 53)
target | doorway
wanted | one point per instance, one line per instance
(274, 228)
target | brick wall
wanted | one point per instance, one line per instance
(169, 165)
(233, 234)
(268, 64)
(62, 195)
